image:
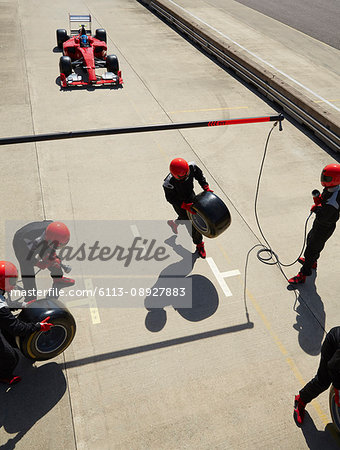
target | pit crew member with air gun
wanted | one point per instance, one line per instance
(179, 191)
(10, 326)
(326, 208)
(328, 372)
(35, 245)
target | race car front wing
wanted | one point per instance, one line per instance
(108, 78)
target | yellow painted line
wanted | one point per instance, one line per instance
(321, 101)
(92, 302)
(322, 415)
(224, 253)
(325, 418)
(163, 153)
(207, 109)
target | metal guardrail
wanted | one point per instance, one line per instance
(303, 117)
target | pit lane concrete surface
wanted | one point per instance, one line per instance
(224, 374)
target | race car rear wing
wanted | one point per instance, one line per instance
(77, 20)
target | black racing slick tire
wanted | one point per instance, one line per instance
(212, 215)
(62, 37)
(41, 346)
(112, 64)
(334, 409)
(101, 34)
(65, 65)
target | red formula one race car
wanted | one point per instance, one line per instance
(84, 53)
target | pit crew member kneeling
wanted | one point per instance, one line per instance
(35, 245)
(10, 326)
(179, 191)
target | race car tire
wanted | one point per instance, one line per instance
(334, 409)
(41, 346)
(61, 38)
(101, 34)
(112, 64)
(212, 215)
(65, 65)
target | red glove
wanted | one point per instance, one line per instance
(336, 397)
(207, 188)
(42, 264)
(314, 208)
(49, 262)
(188, 206)
(44, 325)
(55, 263)
(317, 197)
(317, 200)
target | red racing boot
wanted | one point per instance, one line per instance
(302, 260)
(10, 381)
(300, 278)
(201, 250)
(299, 410)
(62, 282)
(173, 225)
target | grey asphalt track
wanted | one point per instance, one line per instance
(318, 18)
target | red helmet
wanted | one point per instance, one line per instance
(8, 276)
(330, 175)
(179, 168)
(57, 233)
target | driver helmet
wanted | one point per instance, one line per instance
(84, 40)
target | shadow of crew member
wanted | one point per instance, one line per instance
(24, 405)
(310, 321)
(328, 372)
(316, 439)
(199, 299)
(35, 245)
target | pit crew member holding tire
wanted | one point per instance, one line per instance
(326, 208)
(10, 326)
(35, 245)
(179, 191)
(328, 372)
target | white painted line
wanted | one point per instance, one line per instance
(256, 56)
(137, 234)
(135, 231)
(220, 276)
(92, 302)
(79, 302)
(230, 273)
